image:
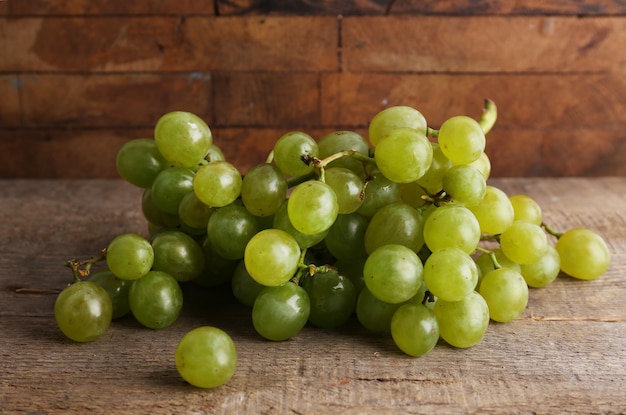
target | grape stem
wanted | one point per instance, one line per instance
(551, 231)
(492, 256)
(320, 164)
(488, 116)
(81, 269)
(270, 157)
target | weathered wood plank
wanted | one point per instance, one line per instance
(537, 101)
(112, 100)
(483, 44)
(168, 44)
(10, 111)
(301, 8)
(99, 8)
(510, 7)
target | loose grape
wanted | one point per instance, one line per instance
(206, 357)
(584, 254)
(83, 311)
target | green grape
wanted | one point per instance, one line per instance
(404, 155)
(414, 329)
(263, 190)
(494, 213)
(332, 297)
(116, 288)
(523, 242)
(339, 141)
(281, 221)
(138, 162)
(411, 194)
(485, 263)
(461, 139)
(155, 300)
(526, 208)
(83, 311)
(193, 213)
(244, 287)
(352, 268)
(450, 274)
(156, 216)
(542, 272)
(506, 294)
(345, 237)
(217, 184)
(347, 186)
(395, 117)
(229, 230)
(169, 188)
(465, 184)
(379, 192)
(206, 357)
(215, 154)
(289, 150)
(312, 207)
(393, 273)
(452, 226)
(584, 254)
(483, 164)
(129, 256)
(271, 257)
(217, 270)
(280, 312)
(396, 223)
(432, 180)
(182, 138)
(374, 314)
(177, 254)
(462, 323)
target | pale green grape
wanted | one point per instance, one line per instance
(263, 190)
(347, 186)
(542, 272)
(414, 329)
(393, 273)
(289, 150)
(461, 139)
(396, 223)
(462, 323)
(450, 274)
(485, 263)
(395, 117)
(403, 155)
(452, 226)
(129, 256)
(217, 184)
(339, 141)
(411, 194)
(182, 138)
(523, 242)
(432, 180)
(506, 294)
(281, 221)
(584, 254)
(271, 257)
(483, 164)
(312, 207)
(465, 184)
(526, 208)
(494, 213)
(206, 357)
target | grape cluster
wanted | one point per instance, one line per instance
(400, 229)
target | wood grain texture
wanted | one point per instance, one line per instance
(99, 8)
(483, 44)
(564, 355)
(138, 44)
(10, 111)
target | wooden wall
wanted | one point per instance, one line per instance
(78, 78)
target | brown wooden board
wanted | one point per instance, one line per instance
(483, 44)
(99, 8)
(565, 354)
(139, 44)
(10, 112)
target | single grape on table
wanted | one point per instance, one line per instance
(399, 232)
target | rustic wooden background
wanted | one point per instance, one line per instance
(78, 78)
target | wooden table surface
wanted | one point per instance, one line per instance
(565, 354)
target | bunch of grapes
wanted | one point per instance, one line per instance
(400, 229)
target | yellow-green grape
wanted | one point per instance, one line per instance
(182, 138)
(217, 184)
(462, 323)
(542, 272)
(506, 294)
(494, 213)
(394, 117)
(526, 208)
(524, 242)
(461, 139)
(289, 150)
(271, 257)
(312, 207)
(403, 155)
(584, 254)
